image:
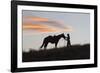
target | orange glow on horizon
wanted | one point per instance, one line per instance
(42, 28)
(39, 27)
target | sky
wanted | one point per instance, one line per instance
(39, 24)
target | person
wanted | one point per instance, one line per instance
(68, 40)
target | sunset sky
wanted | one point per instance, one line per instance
(39, 24)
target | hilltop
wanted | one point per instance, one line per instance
(75, 52)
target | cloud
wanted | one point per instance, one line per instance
(33, 18)
(40, 24)
(39, 28)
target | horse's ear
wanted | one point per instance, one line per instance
(68, 34)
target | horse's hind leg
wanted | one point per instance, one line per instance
(45, 46)
(42, 44)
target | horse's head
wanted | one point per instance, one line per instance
(67, 34)
(63, 36)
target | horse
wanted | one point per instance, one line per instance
(52, 39)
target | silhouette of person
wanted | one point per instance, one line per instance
(68, 40)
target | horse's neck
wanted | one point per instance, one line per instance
(60, 36)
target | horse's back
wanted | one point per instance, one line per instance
(49, 39)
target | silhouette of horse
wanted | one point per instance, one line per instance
(52, 39)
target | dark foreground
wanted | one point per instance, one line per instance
(75, 52)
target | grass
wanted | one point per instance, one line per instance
(75, 52)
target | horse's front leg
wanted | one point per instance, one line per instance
(56, 45)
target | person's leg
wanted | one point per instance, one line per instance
(67, 43)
